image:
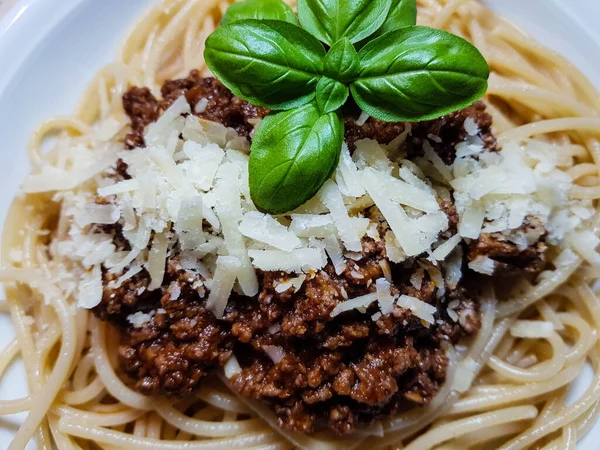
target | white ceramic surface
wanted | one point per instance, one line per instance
(50, 49)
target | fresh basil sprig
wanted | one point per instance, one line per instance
(403, 13)
(342, 61)
(417, 73)
(402, 72)
(293, 154)
(332, 20)
(261, 10)
(269, 63)
(331, 95)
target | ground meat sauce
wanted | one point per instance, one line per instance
(442, 134)
(313, 370)
(218, 105)
(511, 259)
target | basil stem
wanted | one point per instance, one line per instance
(418, 73)
(342, 62)
(331, 20)
(331, 95)
(268, 63)
(260, 9)
(293, 154)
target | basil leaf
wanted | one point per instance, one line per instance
(331, 20)
(402, 14)
(261, 10)
(293, 154)
(418, 73)
(331, 95)
(268, 63)
(342, 62)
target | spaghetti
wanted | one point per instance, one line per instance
(518, 397)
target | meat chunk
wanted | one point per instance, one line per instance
(509, 257)
(143, 109)
(443, 134)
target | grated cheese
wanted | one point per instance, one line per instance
(264, 228)
(483, 265)
(312, 225)
(236, 246)
(222, 284)
(303, 259)
(407, 234)
(471, 222)
(156, 131)
(90, 288)
(347, 175)
(157, 261)
(408, 195)
(384, 296)
(232, 367)
(100, 214)
(437, 162)
(139, 319)
(471, 127)
(190, 223)
(274, 352)
(422, 310)
(442, 252)
(331, 197)
(360, 302)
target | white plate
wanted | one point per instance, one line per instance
(50, 49)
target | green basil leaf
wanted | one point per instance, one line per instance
(342, 62)
(293, 154)
(418, 73)
(332, 20)
(402, 14)
(268, 63)
(261, 10)
(331, 95)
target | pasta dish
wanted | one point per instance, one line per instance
(262, 229)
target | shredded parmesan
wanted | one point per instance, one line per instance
(442, 252)
(384, 296)
(157, 261)
(264, 228)
(312, 225)
(422, 310)
(222, 284)
(232, 367)
(334, 251)
(303, 259)
(90, 289)
(274, 352)
(331, 197)
(139, 319)
(347, 175)
(407, 234)
(359, 302)
(234, 242)
(483, 265)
